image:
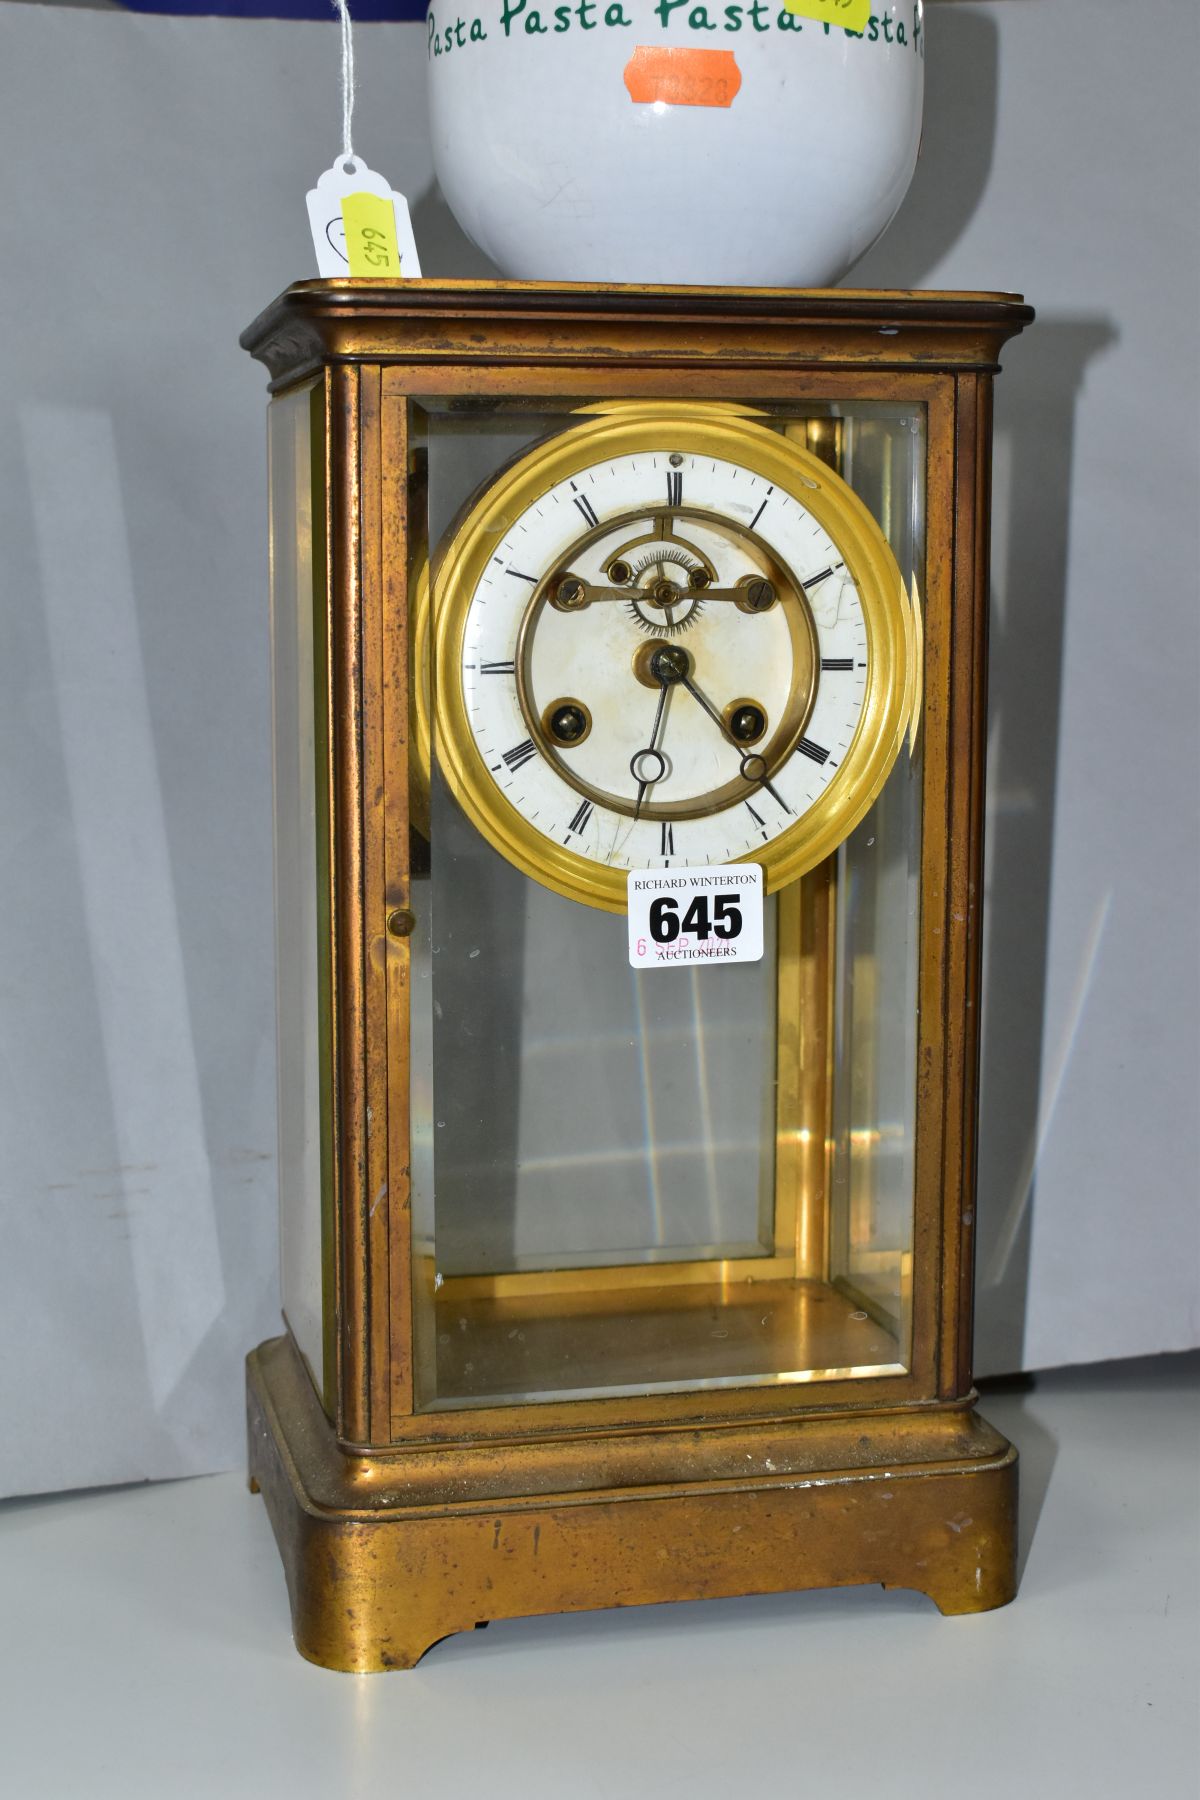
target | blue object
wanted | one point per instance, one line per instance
(361, 11)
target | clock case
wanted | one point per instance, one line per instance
(399, 1522)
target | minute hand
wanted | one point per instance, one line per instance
(754, 780)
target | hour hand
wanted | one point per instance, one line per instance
(646, 766)
(649, 765)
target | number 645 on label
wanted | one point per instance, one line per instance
(681, 918)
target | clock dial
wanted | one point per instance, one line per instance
(668, 638)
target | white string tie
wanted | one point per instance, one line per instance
(343, 12)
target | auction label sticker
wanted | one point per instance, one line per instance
(360, 224)
(369, 225)
(677, 75)
(681, 917)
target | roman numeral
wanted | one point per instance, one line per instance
(586, 508)
(505, 668)
(579, 822)
(521, 753)
(837, 662)
(667, 846)
(762, 509)
(806, 747)
(675, 487)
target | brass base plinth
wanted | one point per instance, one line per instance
(386, 1553)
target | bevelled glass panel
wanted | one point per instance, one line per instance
(629, 1181)
(295, 424)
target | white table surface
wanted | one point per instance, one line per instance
(146, 1651)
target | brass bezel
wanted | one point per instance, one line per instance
(704, 430)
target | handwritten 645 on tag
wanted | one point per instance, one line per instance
(360, 225)
(679, 918)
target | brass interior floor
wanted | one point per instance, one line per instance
(571, 1343)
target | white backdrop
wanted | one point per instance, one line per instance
(154, 174)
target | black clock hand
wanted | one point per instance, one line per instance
(709, 708)
(751, 763)
(638, 761)
(667, 665)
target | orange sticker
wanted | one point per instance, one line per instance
(682, 77)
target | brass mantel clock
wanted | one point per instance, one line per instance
(608, 1284)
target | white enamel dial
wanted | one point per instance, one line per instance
(707, 798)
(663, 659)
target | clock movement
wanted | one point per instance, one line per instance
(609, 1284)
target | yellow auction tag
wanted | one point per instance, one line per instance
(370, 222)
(360, 225)
(852, 15)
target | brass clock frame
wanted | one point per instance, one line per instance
(398, 1525)
(701, 430)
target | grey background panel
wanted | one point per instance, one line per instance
(1089, 1190)
(154, 179)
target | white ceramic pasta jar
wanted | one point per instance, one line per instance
(673, 141)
